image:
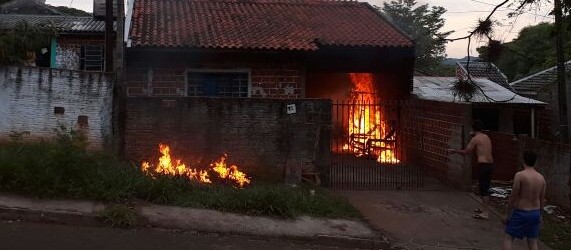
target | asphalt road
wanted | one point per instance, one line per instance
(22, 235)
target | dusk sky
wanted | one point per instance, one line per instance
(461, 17)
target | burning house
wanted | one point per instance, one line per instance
(280, 87)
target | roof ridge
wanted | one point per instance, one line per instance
(289, 2)
(538, 73)
(50, 16)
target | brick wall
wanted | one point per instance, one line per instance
(68, 50)
(257, 134)
(29, 97)
(274, 80)
(437, 126)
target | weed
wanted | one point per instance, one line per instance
(121, 216)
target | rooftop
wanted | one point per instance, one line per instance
(530, 85)
(439, 89)
(261, 24)
(64, 24)
(480, 69)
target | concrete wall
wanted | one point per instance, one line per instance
(29, 97)
(257, 134)
(553, 162)
(438, 126)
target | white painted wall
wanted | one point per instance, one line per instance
(28, 96)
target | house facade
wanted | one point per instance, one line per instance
(543, 87)
(254, 79)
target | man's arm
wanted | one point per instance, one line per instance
(514, 197)
(471, 146)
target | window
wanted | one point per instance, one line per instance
(92, 57)
(218, 84)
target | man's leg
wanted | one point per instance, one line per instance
(532, 244)
(485, 206)
(508, 241)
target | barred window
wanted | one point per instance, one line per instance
(92, 58)
(218, 84)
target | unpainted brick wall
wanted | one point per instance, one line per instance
(29, 96)
(68, 50)
(256, 133)
(284, 81)
(439, 126)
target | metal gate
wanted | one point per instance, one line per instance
(370, 150)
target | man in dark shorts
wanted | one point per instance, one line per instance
(482, 145)
(523, 214)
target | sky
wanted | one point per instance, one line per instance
(462, 17)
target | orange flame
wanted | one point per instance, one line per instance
(366, 125)
(167, 166)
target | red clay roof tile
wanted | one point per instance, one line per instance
(260, 24)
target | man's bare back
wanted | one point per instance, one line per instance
(482, 144)
(531, 187)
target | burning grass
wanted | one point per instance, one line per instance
(63, 169)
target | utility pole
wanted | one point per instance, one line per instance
(119, 42)
(108, 36)
(561, 85)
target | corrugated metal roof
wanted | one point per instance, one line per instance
(440, 89)
(261, 24)
(64, 24)
(530, 85)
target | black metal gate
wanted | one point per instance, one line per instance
(369, 148)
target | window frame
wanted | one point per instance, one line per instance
(83, 58)
(220, 71)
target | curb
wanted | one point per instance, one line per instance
(65, 218)
(92, 220)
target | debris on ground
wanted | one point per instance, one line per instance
(549, 209)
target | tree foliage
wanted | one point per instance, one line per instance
(19, 44)
(423, 23)
(532, 51)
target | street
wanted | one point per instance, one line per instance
(24, 235)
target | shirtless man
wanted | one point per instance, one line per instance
(523, 214)
(482, 145)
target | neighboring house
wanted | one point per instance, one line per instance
(67, 86)
(216, 76)
(543, 86)
(78, 45)
(481, 69)
(500, 109)
(505, 114)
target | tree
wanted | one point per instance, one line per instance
(423, 23)
(532, 51)
(18, 46)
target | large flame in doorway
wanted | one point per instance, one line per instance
(369, 133)
(166, 165)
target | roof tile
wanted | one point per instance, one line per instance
(261, 24)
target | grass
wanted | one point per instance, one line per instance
(556, 233)
(63, 169)
(120, 216)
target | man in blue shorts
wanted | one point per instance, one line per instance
(523, 214)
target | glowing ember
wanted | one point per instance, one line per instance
(368, 131)
(167, 166)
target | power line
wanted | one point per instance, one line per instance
(505, 9)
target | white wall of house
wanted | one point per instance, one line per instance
(29, 97)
